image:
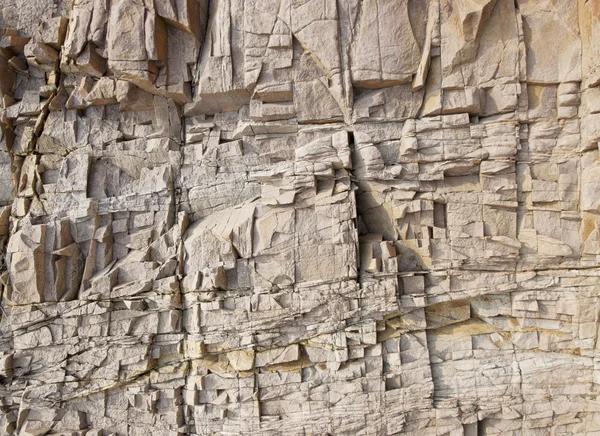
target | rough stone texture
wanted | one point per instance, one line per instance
(300, 217)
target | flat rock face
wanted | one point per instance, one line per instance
(275, 217)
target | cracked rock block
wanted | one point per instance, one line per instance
(299, 217)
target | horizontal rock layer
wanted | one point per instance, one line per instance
(299, 217)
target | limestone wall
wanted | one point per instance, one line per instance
(299, 217)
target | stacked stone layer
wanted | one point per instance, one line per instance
(299, 217)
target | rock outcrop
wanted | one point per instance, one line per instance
(299, 217)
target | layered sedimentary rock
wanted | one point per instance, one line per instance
(299, 217)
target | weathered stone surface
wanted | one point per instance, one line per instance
(299, 217)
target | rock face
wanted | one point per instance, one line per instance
(305, 217)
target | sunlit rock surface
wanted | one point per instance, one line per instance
(299, 217)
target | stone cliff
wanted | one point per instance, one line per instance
(299, 217)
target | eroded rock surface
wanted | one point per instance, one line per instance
(299, 217)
